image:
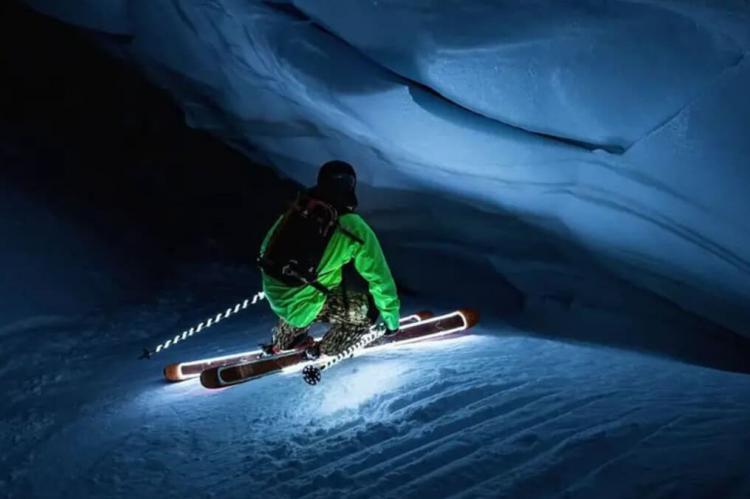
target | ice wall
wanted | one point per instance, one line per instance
(559, 149)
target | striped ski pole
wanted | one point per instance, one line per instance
(312, 373)
(257, 297)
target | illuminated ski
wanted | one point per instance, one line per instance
(182, 371)
(428, 329)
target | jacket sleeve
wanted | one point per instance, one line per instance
(370, 263)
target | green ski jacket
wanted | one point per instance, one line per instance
(299, 306)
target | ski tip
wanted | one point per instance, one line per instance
(173, 372)
(471, 315)
(146, 354)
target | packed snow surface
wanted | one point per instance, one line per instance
(492, 414)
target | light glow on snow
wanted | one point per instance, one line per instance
(360, 384)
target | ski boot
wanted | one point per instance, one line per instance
(312, 352)
(389, 333)
(301, 342)
(268, 350)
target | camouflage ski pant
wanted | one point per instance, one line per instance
(347, 315)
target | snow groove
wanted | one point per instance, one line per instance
(441, 466)
(544, 460)
(628, 449)
(422, 415)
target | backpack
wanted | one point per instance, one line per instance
(296, 247)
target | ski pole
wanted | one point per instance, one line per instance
(312, 373)
(257, 297)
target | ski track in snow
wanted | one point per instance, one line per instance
(485, 415)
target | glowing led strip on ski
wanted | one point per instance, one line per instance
(328, 362)
(208, 323)
(182, 365)
(238, 356)
(425, 337)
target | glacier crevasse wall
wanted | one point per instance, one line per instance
(555, 137)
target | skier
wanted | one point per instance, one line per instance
(302, 258)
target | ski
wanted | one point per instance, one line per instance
(423, 330)
(182, 371)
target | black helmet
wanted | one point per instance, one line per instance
(337, 181)
(337, 175)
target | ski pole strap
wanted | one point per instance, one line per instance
(257, 297)
(289, 271)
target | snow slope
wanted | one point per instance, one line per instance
(494, 414)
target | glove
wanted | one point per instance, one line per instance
(382, 328)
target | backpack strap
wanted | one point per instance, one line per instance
(287, 270)
(314, 283)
